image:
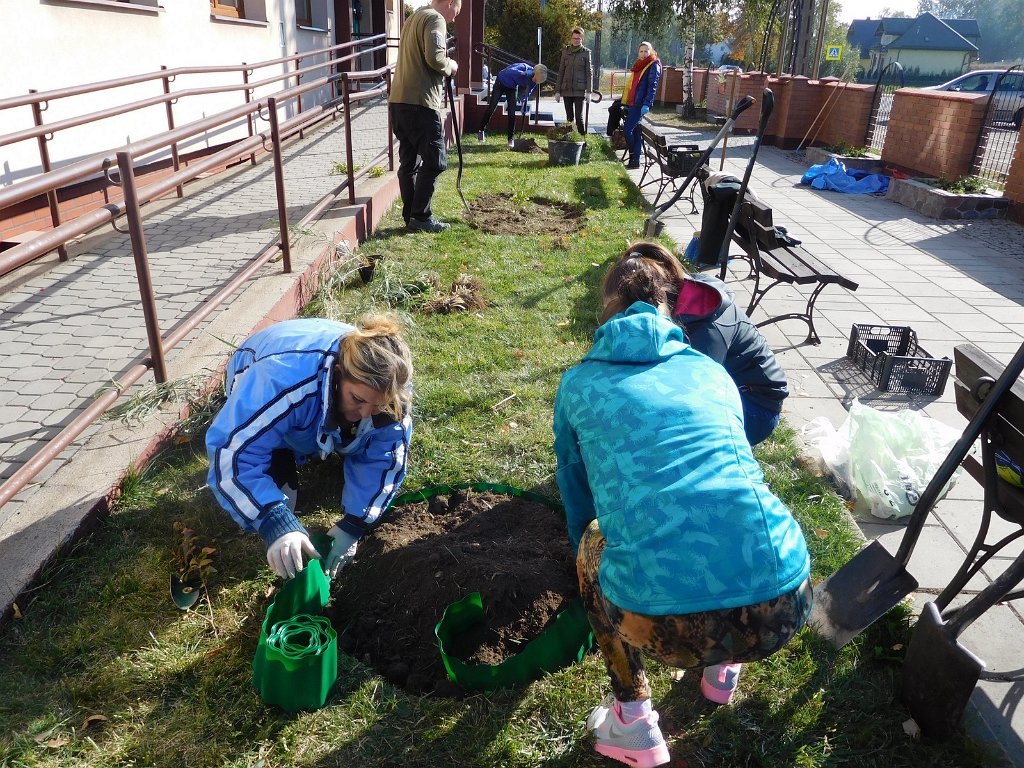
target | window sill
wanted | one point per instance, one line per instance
(308, 28)
(145, 8)
(236, 20)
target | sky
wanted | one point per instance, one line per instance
(863, 9)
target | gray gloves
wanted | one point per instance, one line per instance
(343, 551)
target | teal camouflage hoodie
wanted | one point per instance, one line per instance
(649, 440)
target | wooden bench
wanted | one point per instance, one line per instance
(666, 163)
(775, 262)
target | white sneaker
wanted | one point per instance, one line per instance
(638, 743)
(511, 143)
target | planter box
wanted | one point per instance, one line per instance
(940, 204)
(565, 152)
(820, 156)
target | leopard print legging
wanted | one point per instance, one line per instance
(686, 641)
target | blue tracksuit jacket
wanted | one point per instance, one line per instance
(649, 440)
(279, 386)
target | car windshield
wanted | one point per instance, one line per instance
(973, 83)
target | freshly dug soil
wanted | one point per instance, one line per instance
(427, 555)
(498, 214)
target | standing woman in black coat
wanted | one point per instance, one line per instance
(575, 78)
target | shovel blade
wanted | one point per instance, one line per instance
(859, 593)
(939, 675)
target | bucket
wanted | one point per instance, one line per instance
(565, 152)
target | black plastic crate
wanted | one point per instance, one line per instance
(683, 157)
(891, 356)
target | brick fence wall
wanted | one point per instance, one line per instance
(846, 117)
(933, 133)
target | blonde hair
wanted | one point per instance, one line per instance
(376, 355)
(645, 272)
(542, 70)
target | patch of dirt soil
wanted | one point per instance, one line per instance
(426, 555)
(498, 214)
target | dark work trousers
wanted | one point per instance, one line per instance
(492, 104)
(574, 104)
(421, 157)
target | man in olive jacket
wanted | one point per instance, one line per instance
(575, 77)
(417, 96)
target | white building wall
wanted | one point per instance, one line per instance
(48, 44)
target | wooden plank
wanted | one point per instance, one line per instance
(971, 364)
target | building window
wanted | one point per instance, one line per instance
(304, 13)
(233, 8)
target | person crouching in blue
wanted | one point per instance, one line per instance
(683, 553)
(508, 83)
(309, 388)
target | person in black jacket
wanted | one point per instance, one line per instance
(706, 310)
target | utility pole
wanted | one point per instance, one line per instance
(819, 45)
(803, 35)
(596, 85)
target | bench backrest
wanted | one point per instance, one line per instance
(757, 220)
(1007, 422)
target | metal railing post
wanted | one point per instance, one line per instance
(249, 118)
(44, 161)
(134, 214)
(298, 96)
(346, 105)
(391, 133)
(282, 208)
(170, 126)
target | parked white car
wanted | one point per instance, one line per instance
(1009, 100)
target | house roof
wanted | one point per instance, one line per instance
(861, 33)
(928, 32)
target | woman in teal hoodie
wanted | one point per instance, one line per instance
(683, 552)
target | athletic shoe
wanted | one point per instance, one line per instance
(431, 225)
(632, 166)
(718, 683)
(480, 136)
(638, 743)
(511, 144)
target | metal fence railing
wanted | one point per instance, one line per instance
(1000, 129)
(119, 167)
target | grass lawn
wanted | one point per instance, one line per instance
(103, 670)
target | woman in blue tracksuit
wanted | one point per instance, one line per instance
(308, 388)
(683, 553)
(639, 97)
(508, 83)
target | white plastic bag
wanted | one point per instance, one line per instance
(885, 458)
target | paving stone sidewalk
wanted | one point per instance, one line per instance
(952, 283)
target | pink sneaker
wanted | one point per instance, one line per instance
(718, 683)
(638, 743)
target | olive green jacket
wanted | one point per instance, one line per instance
(575, 76)
(423, 61)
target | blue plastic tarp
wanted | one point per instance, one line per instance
(834, 176)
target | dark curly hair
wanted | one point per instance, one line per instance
(644, 272)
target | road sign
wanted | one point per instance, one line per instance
(834, 53)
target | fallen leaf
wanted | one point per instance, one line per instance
(519, 354)
(57, 743)
(563, 323)
(513, 425)
(898, 647)
(92, 720)
(570, 343)
(912, 729)
(821, 533)
(16, 611)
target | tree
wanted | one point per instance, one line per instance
(517, 28)
(1000, 22)
(650, 15)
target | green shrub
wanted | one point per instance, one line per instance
(965, 185)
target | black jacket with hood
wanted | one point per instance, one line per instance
(714, 325)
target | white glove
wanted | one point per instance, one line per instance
(558, 97)
(284, 556)
(343, 551)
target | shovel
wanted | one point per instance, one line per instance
(767, 106)
(458, 143)
(651, 226)
(864, 589)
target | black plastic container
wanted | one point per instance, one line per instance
(891, 356)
